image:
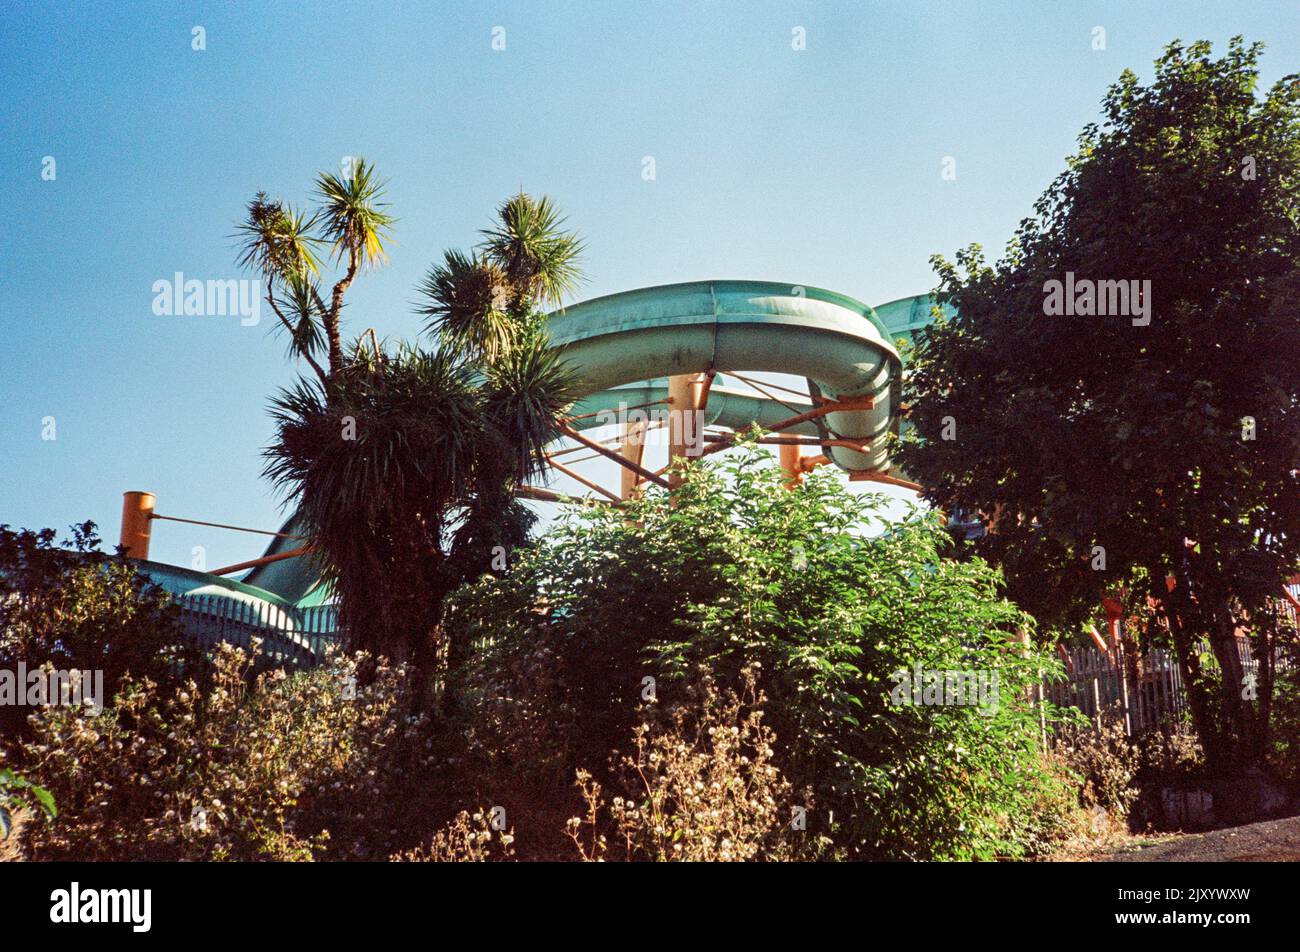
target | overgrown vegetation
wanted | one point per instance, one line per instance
(774, 631)
(1141, 446)
(702, 787)
(284, 767)
(76, 608)
(734, 571)
(17, 793)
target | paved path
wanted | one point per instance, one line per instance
(1270, 841)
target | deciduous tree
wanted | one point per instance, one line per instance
(1151, 453)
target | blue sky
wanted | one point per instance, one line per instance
(817, 167)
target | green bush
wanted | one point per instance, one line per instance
(735, 570)
(75, 607)
(17, 793)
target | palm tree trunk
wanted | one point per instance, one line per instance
(333, 314)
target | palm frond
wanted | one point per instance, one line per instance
(540, 260)
(277, 240)
(527, 392)
(396, 435)
(299, 300)
(467, 301)
(352, 214)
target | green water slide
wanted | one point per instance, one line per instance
(744, 326)
(216, 609)
(625, 346)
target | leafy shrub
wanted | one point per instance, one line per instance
(1053, 815)
(702, 788)
(78, 608)
(737, 570)
(1171, 756)
(288, 767)
(17, 793)
(1124, 776)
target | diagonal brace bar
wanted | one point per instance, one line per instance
(641, 471)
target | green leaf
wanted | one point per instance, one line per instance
(46, 801)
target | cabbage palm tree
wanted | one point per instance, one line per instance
(403, 461)
(280, 242)
(467, 299)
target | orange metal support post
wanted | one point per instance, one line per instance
(687, 395)
(789, 455)
(632, 450)
(137, 517)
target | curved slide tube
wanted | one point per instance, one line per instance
(742, 326)
(729, 407)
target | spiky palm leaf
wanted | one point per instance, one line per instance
(298, 301)
(467, 300)
(539, 259)
(527, 392)
(352, 214)
(277, 240)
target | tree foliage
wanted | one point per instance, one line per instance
(403, 462)
(1116, 456)
(734, 570)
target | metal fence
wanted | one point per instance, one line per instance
(1098, 682)
(295, 638)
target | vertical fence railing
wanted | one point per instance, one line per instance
(297, 639)
(1146, 690)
